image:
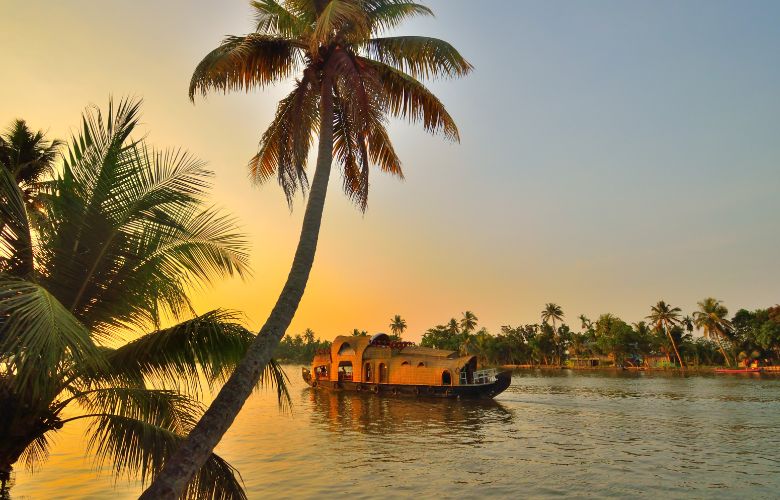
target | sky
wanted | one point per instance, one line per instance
(612, 154)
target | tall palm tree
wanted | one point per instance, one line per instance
(125, 236)
(552, 313)
(468, 322)
(397, 325)
(665, 317)
(349, 82)
(711, 318)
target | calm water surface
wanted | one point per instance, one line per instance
(551, 434)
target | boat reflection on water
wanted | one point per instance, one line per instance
(411, 417)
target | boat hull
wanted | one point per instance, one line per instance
(473, 391)
(740, 370)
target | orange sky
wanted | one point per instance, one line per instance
(611, 156)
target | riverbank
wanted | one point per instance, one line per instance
(770, 370)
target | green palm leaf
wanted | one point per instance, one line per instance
(16, 250)
(137, 447)
(38, 336)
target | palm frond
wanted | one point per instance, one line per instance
(164, 408)
(420, 56)
(16, 248)
(410, 99)
(38, 335)
(138, 448)
(213, 342)
(273, 19)
(388, 14)
(284, 147)
(246, 62)
(36, 452)
(346, 16)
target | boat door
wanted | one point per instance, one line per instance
(383, 375)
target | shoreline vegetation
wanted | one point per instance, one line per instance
(749, 338)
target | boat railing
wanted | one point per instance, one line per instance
(486, 376)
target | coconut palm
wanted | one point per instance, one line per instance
(711, 318)
(468, 322)
(29, 157)
(397, 325)
(552, 313)
(665, 317)
(585, 322)
(124, 237)
(349, 82)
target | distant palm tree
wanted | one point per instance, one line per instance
(585, 322)
(665, 317)
(552, 313)
(687, 323)
(711, 318)
(29, 157)
(349, 83)
(468, 322)
(126, 234)
(453, 326)
(397, 325)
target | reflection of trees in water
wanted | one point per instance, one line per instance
(388, 416)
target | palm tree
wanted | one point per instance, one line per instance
(125, 235)
(28, 156)
(711, 318)
(397, 325)
(468, 322)
(349, 82)
(552, 312)
(453, 326)
(585, 322)
(665, 317)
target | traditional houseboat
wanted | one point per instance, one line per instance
(382, 366)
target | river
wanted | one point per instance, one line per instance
(596, 434)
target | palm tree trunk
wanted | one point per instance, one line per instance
(196, 449)
(722, 350)
(674, 345)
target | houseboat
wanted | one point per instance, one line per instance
(381, 366)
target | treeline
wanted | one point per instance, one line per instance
(664, 338)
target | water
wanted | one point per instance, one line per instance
(592, 434)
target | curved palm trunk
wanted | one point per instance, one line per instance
(674, 346)
(722, 350)
(196, 449)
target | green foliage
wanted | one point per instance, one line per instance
(121, 237)
(300, 348)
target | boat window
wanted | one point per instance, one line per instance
(420, 365)
(383, 375)
(345, 370)
(346, 349)
(405, 363)
(321, 372)
(446, 378)
(367, 373)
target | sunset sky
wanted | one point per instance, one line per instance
(613, 154)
